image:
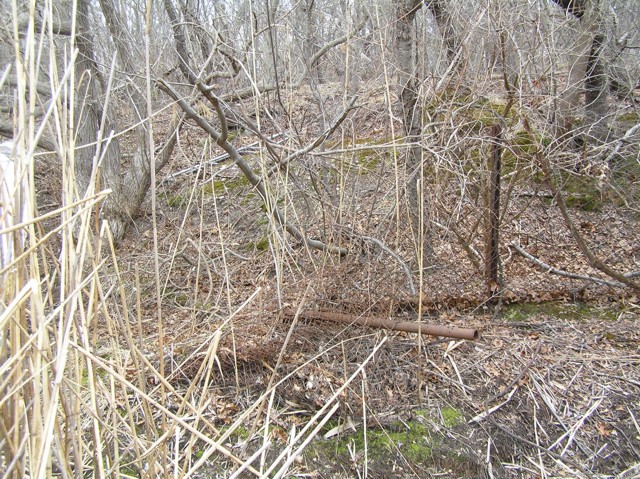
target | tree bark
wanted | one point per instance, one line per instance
(586, 74)
(450, 38)
(95, 121)
(596, 90)
(492, 252)
(92, 116)
(408, 94)
(136, 179)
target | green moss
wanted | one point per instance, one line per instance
(174, 200)
(204, 306)
(587, 202)
(219, 187)
(570, 311)
(247, 198)
(451, 417)
(85, 378)
(240, 432)
(129, 471)
(368, 160)
(279, 203)
(261, 245)
(412, 439)
(582, 193)
(629, 117)
(181, 299)
(233, 134)
(177, 297)
(485, 112)
(215, 187)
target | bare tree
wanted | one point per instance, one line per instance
(587, 73)
(441, 10)
(408, 85)
(221, 134)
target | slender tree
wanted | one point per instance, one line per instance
(408, 85)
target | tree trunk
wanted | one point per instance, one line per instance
(310, 48)
(492, 251)
(570, 99)
(93, 152)
(450, 38)
(136, 178)
(586, 74)
(596, 90)
(408, 93)
(129, 186)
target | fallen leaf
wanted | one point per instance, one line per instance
(603, 430)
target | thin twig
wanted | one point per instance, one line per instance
(395, 256)
(552, 454)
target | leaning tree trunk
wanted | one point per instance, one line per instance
(408, 93)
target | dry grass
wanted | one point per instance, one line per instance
(168, 355)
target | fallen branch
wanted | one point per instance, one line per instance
(625, 139)
(550, 269)
(594, 261)
(383, 323)
(247, 149)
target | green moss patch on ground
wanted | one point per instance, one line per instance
(559, 310)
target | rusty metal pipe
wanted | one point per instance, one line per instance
(383, 323)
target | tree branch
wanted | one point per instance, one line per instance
(318, 141)
(248, 172)
(594, 261)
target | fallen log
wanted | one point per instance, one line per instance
(383, 323)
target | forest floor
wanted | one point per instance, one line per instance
(550, 389)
